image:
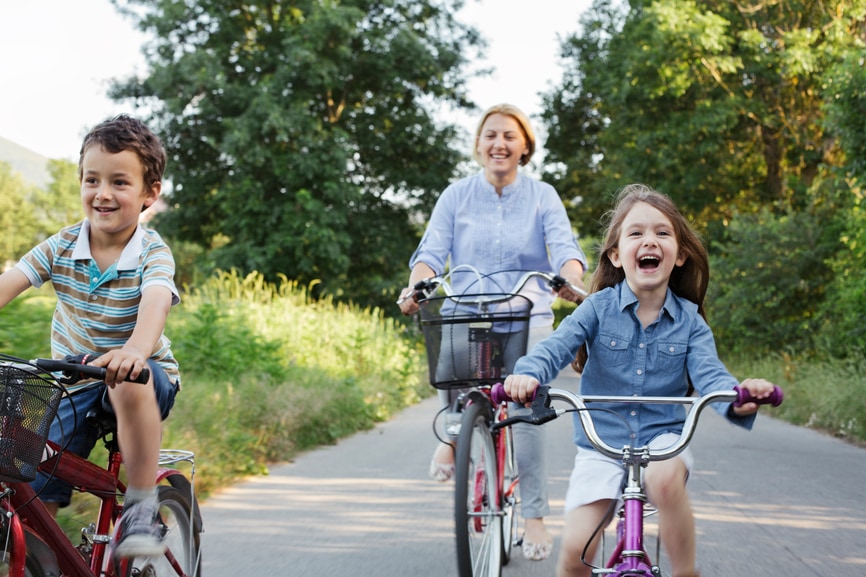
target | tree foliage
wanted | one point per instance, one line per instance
(30, 214)
(59, 204)
(300, 133)
(17, 219)
(717, 103)
(751, 116)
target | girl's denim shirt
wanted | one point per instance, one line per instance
(629, 360)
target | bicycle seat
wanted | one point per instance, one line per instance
(105, 421)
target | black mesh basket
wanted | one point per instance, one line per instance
(473, 339)
(28, 404)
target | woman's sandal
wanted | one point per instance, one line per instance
(441, 471)
(536, 551)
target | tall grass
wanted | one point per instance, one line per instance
(827, 395)
(266, 372)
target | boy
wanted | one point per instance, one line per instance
(114, 282)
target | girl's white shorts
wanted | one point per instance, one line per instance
(596, 477)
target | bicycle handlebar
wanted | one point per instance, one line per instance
(75, 369)
(542, 412)
(423, 289)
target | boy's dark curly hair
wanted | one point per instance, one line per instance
(123, 132)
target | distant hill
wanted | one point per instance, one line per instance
(31, 166)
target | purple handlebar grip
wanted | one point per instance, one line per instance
(498, 394)
(743, 397)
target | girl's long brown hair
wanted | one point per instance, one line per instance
(688, 281)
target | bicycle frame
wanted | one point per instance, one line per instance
(32, 517)
(629, 557)
(37, 545)
(500, 413)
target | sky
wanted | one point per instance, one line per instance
(59, 56)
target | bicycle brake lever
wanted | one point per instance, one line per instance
(540, 407)
(541, 410)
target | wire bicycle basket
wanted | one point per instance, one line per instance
(28, 405)
(473, 340)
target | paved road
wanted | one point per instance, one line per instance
(779, 501)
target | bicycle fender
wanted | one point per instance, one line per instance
(179, 481)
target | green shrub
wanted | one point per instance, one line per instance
(268, 372)
(768, 282)
(822, 395)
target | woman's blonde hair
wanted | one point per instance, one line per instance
(522, 120)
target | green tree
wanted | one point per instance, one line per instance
(17, 218)
(58, 205)
(300, 134)
(844, 309)
(716, 103)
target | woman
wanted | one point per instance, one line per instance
(504, 223)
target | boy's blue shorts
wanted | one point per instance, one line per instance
(67, 422)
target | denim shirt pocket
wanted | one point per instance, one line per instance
(671, 355)
(612, 350)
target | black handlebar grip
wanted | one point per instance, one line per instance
(75, 368)
(744, 396)
(557, 282)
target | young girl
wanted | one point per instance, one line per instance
(641, 332)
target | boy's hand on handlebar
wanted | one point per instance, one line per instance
(121, 365)
(758, 388)
(520, 388)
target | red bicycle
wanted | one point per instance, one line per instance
(32, 544)
(472, 335)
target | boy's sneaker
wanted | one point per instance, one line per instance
(139, 533)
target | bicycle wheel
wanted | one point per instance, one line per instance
(476, 498)
(175, 512)
(510, 490)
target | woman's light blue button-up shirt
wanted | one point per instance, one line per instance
(525, 229)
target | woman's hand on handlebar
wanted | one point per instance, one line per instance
(121, 365)
(407, 300)
(407, 303)
(759, 389)
(521, 388)
(573, 289)
(567, 292)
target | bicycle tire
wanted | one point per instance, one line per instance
(181, 536)
(33, 568)
(510, 491)
(477, 514)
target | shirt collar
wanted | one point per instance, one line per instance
(506, 190)
(627, 299)
(130, 256)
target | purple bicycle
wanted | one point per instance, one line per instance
(629, 557)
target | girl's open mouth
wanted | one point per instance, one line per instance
(648, 262)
